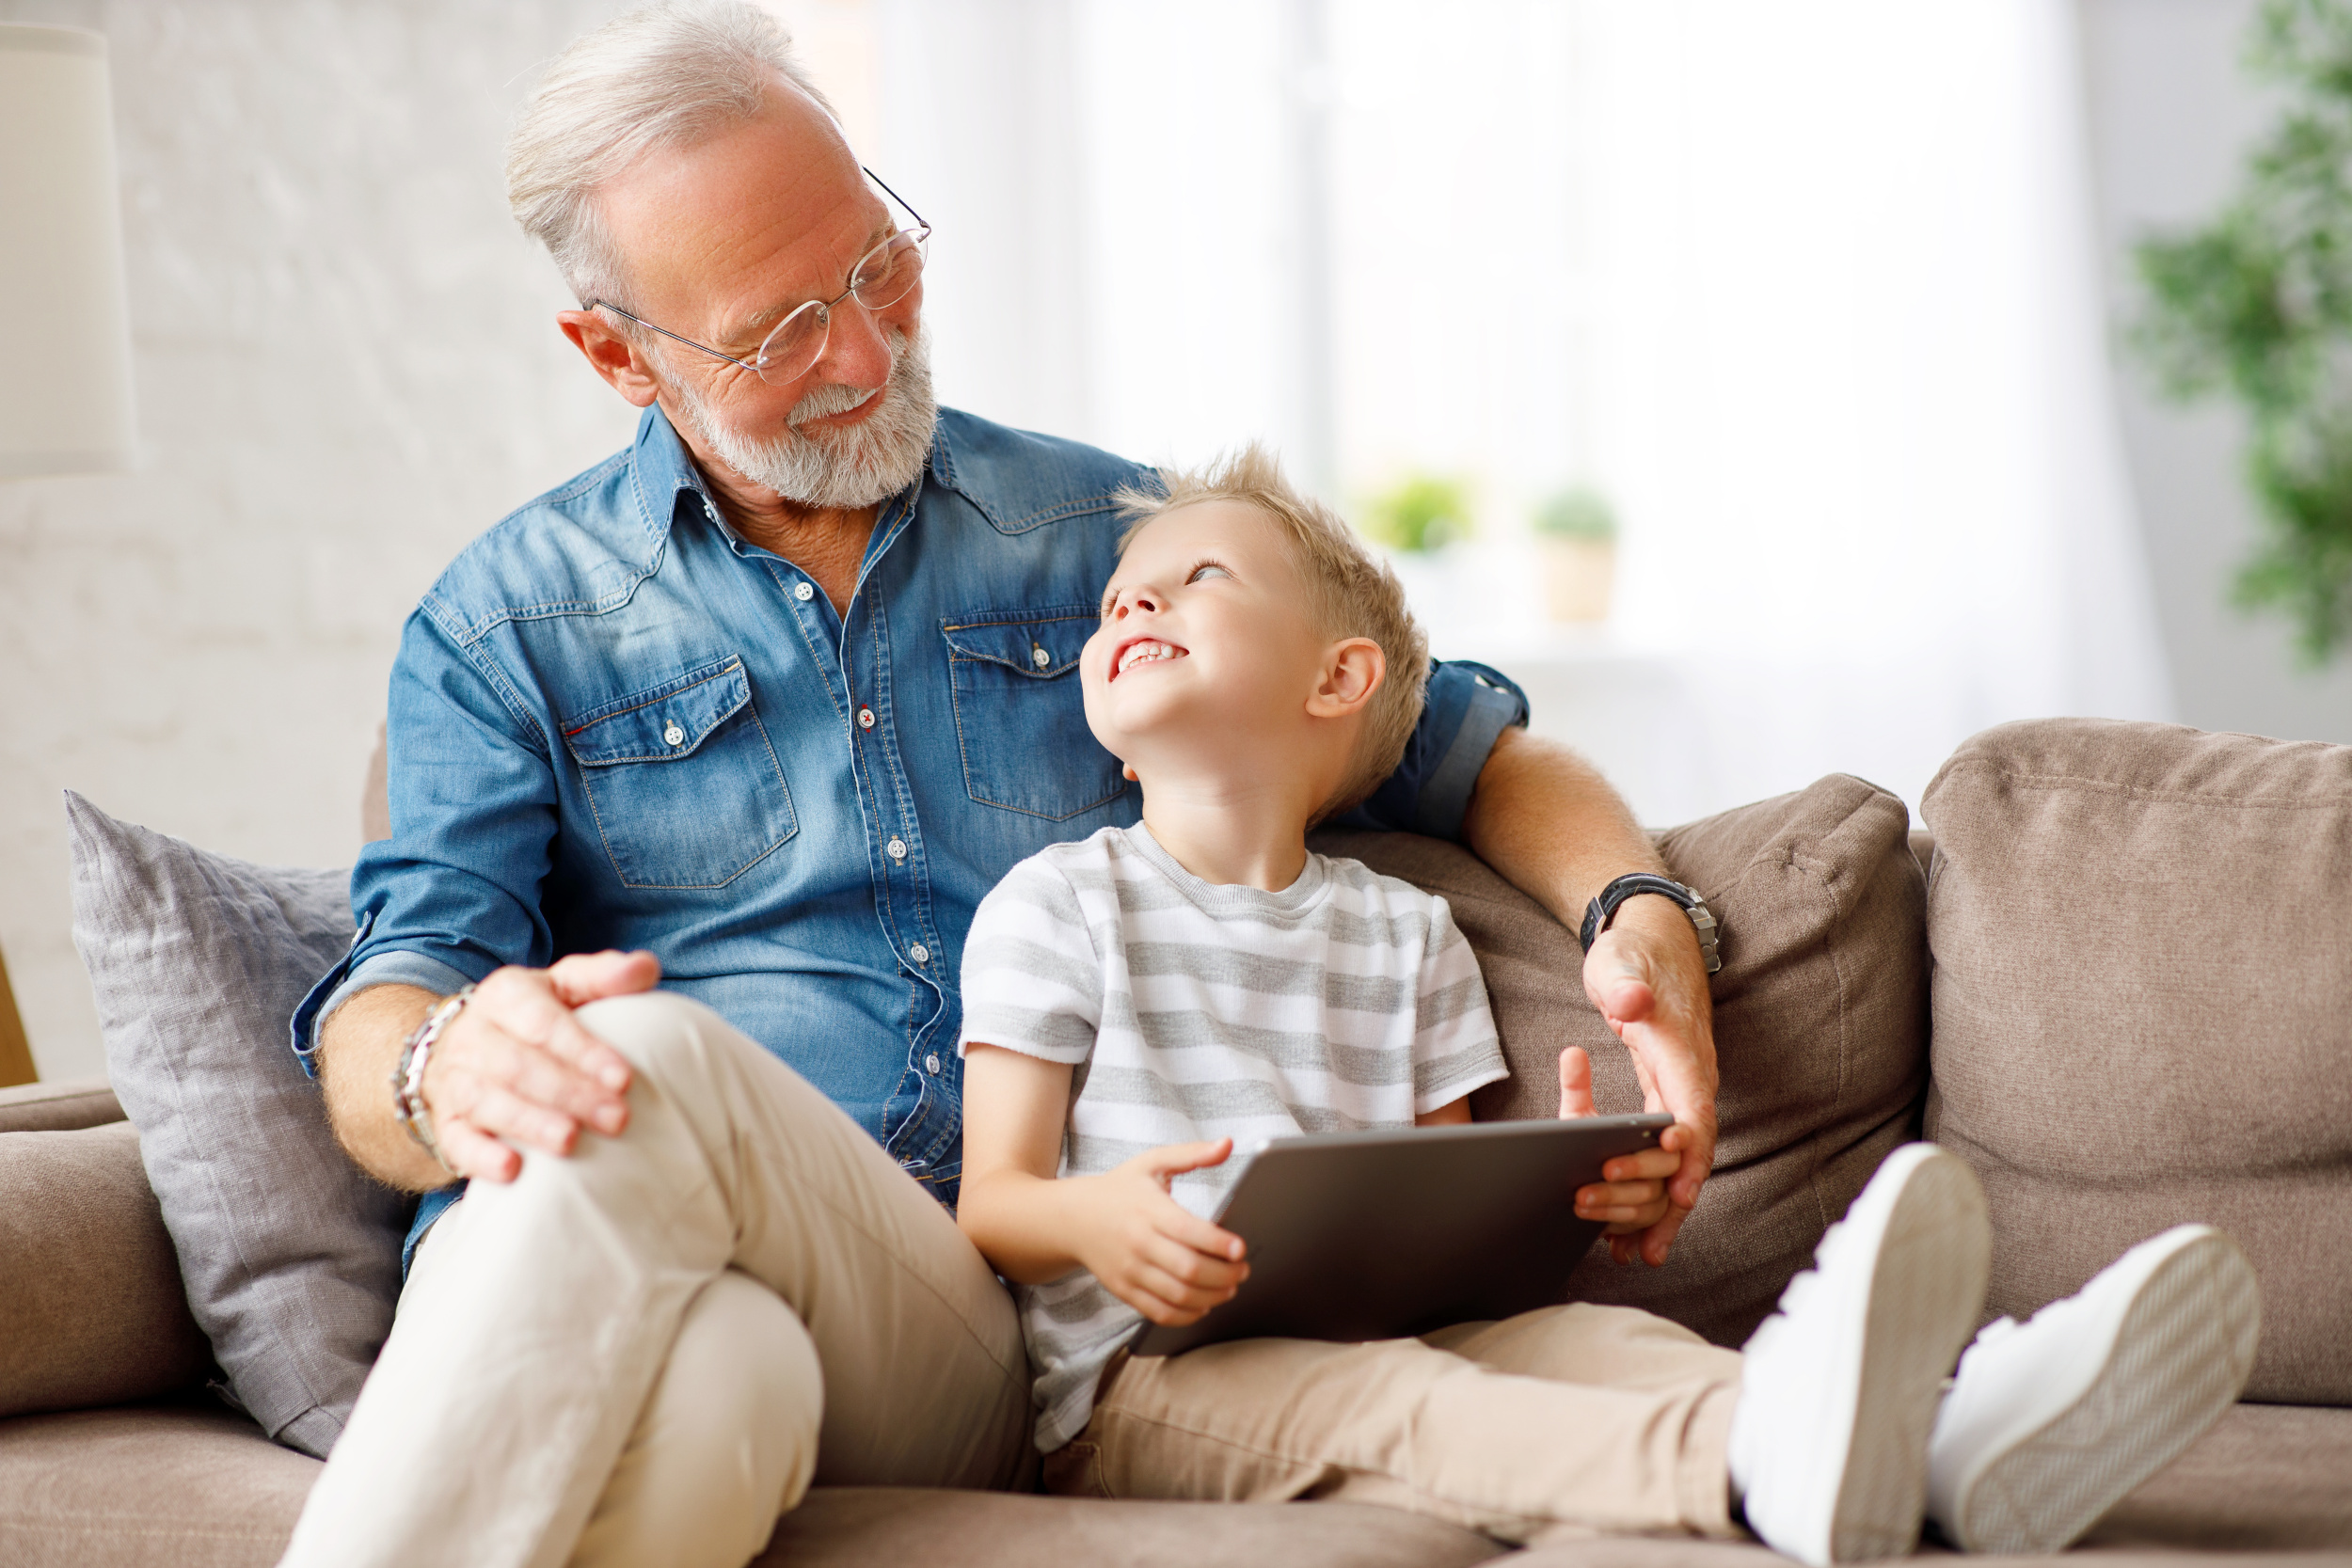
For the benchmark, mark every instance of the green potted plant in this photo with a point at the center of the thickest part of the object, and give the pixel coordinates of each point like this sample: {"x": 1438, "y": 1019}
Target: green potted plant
{"x": 2257, "y": 305}
{"x": 1576, "y": 531}
{"x": 1419, "y": 514}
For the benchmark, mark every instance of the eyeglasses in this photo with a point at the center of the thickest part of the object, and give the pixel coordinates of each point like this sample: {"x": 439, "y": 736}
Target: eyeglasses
{"x": 883, "y": 276}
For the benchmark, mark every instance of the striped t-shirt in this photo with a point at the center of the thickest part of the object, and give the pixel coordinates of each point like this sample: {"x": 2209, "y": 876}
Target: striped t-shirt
{"x": 1194, "y": 1011}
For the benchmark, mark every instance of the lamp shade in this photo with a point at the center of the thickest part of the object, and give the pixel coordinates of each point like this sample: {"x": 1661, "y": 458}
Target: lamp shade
{"x": 65, "y": 357}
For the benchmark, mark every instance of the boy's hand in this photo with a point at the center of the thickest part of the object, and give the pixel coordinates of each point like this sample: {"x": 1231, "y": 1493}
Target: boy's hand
{"x": 1632, "y": 1195}
{"x": 1149, "y": 1250}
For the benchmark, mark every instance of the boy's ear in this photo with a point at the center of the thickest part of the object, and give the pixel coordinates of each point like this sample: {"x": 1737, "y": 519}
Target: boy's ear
{"x": 1352, "y": 671}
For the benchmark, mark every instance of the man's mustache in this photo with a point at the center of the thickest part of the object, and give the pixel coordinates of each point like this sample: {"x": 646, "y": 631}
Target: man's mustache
{"x": 831, "y": 399}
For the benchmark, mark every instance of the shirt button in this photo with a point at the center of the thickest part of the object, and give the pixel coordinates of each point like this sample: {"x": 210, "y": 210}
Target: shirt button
{"x": 675, "y": 736}
{"x": 866, "y": 718}
{"x": 930, "y": 1063}
{"x": 1039, "y": 657}
{"x": 803, "y": 592}
{"x": 896, "y": 848}
{"x": 921, "y": 954}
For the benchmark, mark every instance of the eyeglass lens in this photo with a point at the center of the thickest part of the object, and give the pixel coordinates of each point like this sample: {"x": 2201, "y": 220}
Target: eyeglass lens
{"x": 884, "y": 276}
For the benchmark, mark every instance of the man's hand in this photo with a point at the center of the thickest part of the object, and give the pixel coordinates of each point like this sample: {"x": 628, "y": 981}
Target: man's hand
{"x": 1544, "y": 818}
{"x": 513, "y": 1065}
{"x": 1149, "y": 1250}
{"x": 1646, "y": 976}
{"x": 1631, "y": 1194}
{"x": 516, "y": 1064}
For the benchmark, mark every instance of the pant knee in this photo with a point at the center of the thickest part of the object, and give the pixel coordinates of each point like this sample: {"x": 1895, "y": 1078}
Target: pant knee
{"x": 745, "y": 1372}
{"x": 653, "y": 1028}
{"x": 727, "y": 1442}
{"x": 675, "y": 1044}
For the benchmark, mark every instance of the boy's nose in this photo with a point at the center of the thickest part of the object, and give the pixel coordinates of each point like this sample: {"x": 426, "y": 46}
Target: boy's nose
{"x": 1134, "y": 599}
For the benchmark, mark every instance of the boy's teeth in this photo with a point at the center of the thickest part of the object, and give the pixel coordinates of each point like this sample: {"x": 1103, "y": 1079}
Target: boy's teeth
{"x": 1143, "y": 653}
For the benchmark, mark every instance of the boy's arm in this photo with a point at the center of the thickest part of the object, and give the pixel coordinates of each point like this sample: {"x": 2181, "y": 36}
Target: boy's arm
{"x": 1146, "y": 1248}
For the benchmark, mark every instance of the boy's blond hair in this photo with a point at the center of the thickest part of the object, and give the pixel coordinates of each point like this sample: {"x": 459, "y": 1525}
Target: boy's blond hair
{"x": 1350, "y": 592}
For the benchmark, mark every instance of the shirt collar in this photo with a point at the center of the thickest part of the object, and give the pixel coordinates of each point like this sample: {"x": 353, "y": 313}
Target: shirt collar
{"x": 666, "y": 476}
{"x": 665, "y": 473}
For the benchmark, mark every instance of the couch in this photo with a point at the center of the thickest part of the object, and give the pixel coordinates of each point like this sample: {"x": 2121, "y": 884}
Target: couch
{"x": 2117, "y": 979}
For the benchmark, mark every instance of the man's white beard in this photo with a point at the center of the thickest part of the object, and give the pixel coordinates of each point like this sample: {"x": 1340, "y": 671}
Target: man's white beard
{"x": 840, "y": 469}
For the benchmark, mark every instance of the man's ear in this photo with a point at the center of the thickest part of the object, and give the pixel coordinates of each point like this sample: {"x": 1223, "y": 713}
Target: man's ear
{"x": 615, "y": 357}
{"x": 1352, "y": 671}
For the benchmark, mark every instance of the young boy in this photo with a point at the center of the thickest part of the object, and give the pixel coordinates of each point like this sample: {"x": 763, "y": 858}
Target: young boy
{"x": 1139, "y": 1004}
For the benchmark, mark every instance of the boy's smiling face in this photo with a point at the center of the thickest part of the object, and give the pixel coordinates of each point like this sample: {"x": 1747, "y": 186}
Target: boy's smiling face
{"x": 1209, "y": 658}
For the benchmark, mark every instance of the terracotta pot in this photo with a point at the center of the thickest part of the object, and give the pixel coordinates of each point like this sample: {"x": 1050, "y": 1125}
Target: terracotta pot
{"x": 1576, "y": 577}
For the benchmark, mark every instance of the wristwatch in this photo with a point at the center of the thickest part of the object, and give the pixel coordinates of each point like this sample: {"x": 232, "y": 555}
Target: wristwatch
{"x": 408, "y": 1077}
{"x": 1603, "y": 910}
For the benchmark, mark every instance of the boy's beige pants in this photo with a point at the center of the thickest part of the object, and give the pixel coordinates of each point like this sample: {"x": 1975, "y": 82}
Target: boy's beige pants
{"x": 646, "y": 1352}
{"x": 1571, "y": 1420}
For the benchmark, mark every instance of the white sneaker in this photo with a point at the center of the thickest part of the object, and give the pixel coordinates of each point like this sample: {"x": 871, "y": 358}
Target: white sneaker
{"x": 2052, "y": 1422}
{"x": 1838, "y": 1391}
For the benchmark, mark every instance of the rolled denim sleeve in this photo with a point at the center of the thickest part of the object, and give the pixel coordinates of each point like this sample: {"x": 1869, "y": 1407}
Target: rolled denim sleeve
{"x": 454, "y": 894}
{"x": 1468, "y": 708}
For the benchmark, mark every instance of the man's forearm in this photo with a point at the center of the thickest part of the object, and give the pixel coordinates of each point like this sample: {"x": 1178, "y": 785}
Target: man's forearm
{"x": 1547, "y": 820}
{"x": 357, "y": 1050}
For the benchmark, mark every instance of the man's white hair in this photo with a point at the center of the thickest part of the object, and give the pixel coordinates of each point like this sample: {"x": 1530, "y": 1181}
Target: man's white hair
{"x": 666, "y": 76}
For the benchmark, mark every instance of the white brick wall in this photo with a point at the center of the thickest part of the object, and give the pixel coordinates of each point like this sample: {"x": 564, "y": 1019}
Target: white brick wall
{"x": 346, "y": 367}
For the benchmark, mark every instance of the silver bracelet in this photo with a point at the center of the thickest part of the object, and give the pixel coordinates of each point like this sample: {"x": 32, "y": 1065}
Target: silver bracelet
{"x": 408, "y": 1076}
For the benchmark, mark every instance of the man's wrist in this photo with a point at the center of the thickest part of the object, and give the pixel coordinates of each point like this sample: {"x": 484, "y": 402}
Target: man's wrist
{"x": 416, "y": 1054}
{"x": 1654, "y": 920}
{"x": 1636, "y": 897}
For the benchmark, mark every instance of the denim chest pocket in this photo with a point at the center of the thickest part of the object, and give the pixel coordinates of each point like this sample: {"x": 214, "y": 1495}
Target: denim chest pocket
{"x": 1021, "y": 719}
{"x": 686, "y": 789}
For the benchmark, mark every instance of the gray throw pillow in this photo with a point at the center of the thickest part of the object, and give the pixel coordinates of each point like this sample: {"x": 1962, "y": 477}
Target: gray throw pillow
{"x": 290, "y": 1254}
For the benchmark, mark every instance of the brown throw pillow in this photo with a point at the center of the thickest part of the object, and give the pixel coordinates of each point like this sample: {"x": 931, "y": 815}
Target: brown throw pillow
{"x": 1820, "y": 1027}
{"x": 2143, "y": 1011}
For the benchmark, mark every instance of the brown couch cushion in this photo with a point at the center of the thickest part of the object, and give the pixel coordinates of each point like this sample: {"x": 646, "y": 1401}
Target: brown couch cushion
{"x": 192, "y": 1486}
{"x": 862, "y": 1527}
{"x": 58, "y": 1107}
{"x": 90, "y": 1305}
{"x": 1821, "y": 1023}
{"x": 2143, "y": 1011}
{"x": 202, "y": 1488}
{"x": 2266, "y": 1480}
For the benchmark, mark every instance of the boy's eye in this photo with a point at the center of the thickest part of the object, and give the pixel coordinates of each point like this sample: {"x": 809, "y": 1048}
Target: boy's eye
{"x": 1207, "y": 569}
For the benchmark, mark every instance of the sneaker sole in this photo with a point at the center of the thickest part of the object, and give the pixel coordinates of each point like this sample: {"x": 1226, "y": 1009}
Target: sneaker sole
{"x": 1922, "y": 1312}
{"x": 2179, "y": 1358}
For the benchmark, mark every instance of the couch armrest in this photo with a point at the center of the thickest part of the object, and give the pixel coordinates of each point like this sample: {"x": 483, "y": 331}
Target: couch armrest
{"x": 58, "y": 1107}
{"x": 91, "y": 1307}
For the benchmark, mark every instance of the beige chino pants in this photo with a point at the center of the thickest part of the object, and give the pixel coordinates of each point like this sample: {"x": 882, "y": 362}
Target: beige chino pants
{"x": 1573, "y": 1420}
{"x": 646, "y": 1352}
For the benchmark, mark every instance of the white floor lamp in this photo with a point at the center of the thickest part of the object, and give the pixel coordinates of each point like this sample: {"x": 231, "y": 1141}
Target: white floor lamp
{"x": 64, "y": 376}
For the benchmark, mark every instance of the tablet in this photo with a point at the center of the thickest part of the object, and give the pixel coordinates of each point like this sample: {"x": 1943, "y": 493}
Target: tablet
{"x": 1378, "y": 1235}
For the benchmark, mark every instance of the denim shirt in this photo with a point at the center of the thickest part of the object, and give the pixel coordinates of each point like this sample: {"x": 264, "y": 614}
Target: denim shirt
{"x": 614, "y": 722}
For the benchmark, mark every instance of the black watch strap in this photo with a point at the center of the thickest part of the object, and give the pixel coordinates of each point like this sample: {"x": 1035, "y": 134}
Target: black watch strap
{"x": 1603, "y": 910}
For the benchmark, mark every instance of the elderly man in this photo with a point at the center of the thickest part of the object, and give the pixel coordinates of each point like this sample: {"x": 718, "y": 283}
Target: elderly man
{"x": 758, "y": 709}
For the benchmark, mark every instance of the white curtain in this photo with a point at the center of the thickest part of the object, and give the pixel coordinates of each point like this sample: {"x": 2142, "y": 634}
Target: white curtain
{"x": 1808, "y": 290}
